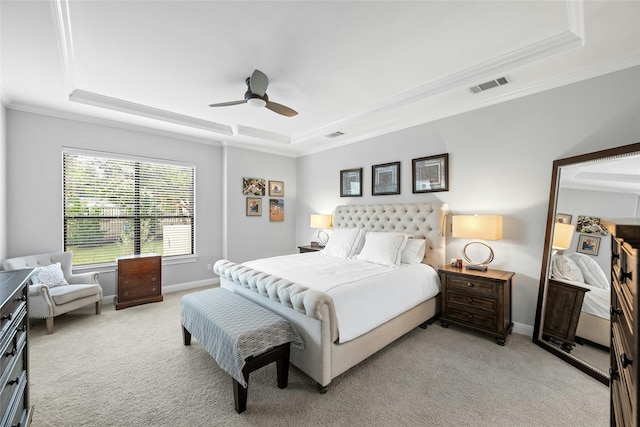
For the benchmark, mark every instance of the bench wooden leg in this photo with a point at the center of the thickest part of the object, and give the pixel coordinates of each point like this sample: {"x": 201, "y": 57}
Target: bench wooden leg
{"x": 240, "y": 394}
{"x": 186, "y": 336}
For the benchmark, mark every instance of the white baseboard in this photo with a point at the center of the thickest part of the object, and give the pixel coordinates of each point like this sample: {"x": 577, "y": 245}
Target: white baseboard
{"x": 109, "y": 299}
{"x": 522, "y": 329}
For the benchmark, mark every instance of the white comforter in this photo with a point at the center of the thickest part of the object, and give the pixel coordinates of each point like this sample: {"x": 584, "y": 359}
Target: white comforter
{"x": 365, "y": 294}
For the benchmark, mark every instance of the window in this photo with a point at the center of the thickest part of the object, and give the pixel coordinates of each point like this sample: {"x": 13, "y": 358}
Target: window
{"x": 115, "y": 206}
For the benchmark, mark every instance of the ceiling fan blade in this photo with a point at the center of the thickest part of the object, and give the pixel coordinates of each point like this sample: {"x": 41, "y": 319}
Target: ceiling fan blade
{"x": 226, "y": 104}
{"x": 281, "y": 109}
{"x": 258, "y": 83}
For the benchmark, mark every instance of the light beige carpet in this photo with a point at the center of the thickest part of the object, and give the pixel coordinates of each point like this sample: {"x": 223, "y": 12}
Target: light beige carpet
{"x": 130, "y": 368}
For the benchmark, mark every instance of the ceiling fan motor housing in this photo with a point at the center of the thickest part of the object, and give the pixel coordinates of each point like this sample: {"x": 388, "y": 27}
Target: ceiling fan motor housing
{"x": 255, "y": 100}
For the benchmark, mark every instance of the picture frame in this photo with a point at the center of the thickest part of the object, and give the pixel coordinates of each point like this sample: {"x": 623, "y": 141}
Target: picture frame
{"x": 588, "y": 244}
{"x": 430, "y": 174}
{"x": 254, "y": 206}
{"x": 276, "y": 188}
{"x": 351, "y": 182}
{"x": 385, "y": 179}
{"x": 590, "y": 225}
{"x": 253, "y": 186}
{"x": 564, "y": 218}
{"x": 276, "y": 210}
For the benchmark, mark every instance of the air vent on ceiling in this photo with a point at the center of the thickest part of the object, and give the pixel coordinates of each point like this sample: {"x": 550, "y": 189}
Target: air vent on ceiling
{"x": 335, "y": 134}
{"x": 490, "y": 84}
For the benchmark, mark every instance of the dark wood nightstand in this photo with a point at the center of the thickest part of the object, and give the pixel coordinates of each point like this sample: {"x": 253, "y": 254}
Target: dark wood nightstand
{"x": 309, "y": 248}
{"x": 478, "y": 300}
{"x": 562, "y": 312}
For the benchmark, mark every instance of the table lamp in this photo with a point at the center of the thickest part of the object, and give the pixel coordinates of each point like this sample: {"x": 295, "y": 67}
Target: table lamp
{"x": 321, "y": 222}
{"x": 562, "y": 236}
{"x": 479, "y": 228}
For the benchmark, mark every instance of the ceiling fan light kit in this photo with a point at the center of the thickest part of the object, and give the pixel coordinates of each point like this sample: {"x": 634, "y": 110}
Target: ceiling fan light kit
{"x": 256, "y": 96}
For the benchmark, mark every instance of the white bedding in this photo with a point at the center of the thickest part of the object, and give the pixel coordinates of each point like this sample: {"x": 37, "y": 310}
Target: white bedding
{"x": 365, "y": 295}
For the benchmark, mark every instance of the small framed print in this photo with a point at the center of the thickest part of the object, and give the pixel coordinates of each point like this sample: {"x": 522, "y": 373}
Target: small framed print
{"x": 590, "y": 224}
{"x": 253, "y": 187}
{"x": 276, "y": 210}
{"x": 276, "y": 188}
{"x": 430, "y": 174}
{"x": 351, "y": 183}
{"x": 254, "y": 206}
{"x": 563, "y": 218}
{"x": 385, "y": 179}
{"x": 588, "y": 244}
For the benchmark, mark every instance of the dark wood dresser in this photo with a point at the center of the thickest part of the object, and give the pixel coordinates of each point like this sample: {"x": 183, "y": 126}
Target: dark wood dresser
{"x": 562, "y": 312}
{"x": 14, "y": 362}
{"x": 478, "y": 300}
{"x": 625, "y": 266}
{"x": 139, "y": 280}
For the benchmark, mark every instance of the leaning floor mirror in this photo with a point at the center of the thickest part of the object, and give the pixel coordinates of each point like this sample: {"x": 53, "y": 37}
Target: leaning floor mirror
{"x": 572, "y": 317}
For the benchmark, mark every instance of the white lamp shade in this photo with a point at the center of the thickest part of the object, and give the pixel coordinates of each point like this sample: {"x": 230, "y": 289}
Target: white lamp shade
{"x": 562, "y": 236}
{"x": 481, "y": 227}
{"x": 320, "y": 221}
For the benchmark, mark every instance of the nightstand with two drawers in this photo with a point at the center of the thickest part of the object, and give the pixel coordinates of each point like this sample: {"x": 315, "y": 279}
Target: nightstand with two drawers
{"x": 478, "y": 300}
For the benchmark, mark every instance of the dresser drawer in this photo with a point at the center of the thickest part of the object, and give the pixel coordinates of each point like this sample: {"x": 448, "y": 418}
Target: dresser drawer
{"x": 628, "y": 273}
{"x": 138, "y": 279}
{"x": 13, "y": 379}
{"x": 472, "y": 285}
{"x": 466, "y": 299}
{"x": 135, "y": 292}
{"x": 472, "y": 318}
{"x": 11, "y": 310}
{"x": 139, "y": 265}
{"x": 624, "y": 356}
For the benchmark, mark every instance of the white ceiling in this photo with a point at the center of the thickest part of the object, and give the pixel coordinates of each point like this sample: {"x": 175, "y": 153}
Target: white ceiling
{"x": 364, "y": 68}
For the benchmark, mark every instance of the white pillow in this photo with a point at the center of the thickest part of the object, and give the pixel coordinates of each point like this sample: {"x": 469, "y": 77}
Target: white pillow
{"x": 591, "y": 270}
{"x": 343, "y": 242}
{"x": 51, "y": 275}
{"x": 413, "y": 252}
{"x": 383, "y": 248}
{"x": 565, "y": 268}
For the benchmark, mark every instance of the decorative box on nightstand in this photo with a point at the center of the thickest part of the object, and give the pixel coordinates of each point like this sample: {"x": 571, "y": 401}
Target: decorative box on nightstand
{"x": 478, "y": 300}
{"x": 304, "y": 249}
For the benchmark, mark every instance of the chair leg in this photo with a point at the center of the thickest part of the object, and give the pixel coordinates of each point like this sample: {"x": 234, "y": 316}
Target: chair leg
{"x": 98, "y": 307}
{"x": 49, "y": 323}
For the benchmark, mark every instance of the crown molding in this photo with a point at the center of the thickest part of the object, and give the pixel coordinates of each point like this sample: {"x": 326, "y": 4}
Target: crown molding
{"x": 262, "y": 134}
{"x": 62, "y": 24}
{"x": 97, "y": 100}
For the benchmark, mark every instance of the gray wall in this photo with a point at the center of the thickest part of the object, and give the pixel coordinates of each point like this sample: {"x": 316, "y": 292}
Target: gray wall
{"x": 500, "y": 162}
{"x": 34, "y": 190}
{"x": 3, "y": 181}
{"x": 251, "y": 237}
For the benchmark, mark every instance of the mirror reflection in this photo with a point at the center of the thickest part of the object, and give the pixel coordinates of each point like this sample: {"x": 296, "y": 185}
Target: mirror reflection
{"x": 573, "y": 313}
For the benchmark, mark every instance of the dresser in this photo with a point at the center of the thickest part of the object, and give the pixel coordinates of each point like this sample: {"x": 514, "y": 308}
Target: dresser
{"x": 562, "y": 312}
{"x": 625, "y": 266}
{"x": 14, "y": 362}
{"x": 139, "y": 280}
{"x": 478, "y": 300}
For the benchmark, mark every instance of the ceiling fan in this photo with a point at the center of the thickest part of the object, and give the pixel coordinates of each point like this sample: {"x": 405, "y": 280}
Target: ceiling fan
{"x": 256, "y": 95}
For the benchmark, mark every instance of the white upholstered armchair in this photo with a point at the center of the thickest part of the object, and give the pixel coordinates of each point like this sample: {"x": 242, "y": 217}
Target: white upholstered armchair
{"x": 50, "y": 294}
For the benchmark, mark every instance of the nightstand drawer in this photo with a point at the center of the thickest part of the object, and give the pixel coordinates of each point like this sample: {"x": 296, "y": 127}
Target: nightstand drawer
{"x": 468, "y": 300}
{"x": 473, "y": 318}
{"x": 472, "y": 285}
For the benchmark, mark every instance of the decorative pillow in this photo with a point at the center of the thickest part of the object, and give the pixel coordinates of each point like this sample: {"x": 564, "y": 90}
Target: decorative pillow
{"x": 383, "y": 248}
{"x": 591, "y": 270}
{"x": 51, "y": 275}
{"x": 413, "y": 251}
{"x": 565, "y": 268}
{"x": 343, "y": 242}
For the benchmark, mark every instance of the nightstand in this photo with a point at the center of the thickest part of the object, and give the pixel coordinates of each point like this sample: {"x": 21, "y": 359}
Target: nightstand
{"x": 304, "y": 249}
{"x": 478, "y": 300}
{"x": 562, "y": 312}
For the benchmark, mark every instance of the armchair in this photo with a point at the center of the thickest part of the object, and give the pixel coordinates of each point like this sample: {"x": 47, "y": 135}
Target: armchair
{"x": 46, "y": 302}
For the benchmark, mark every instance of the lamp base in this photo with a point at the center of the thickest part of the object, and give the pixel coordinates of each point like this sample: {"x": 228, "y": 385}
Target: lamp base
{"x": 477, "y": 267}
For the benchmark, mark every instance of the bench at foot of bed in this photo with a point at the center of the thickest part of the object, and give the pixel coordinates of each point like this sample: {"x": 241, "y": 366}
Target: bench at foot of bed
{"x": 241, "y": 336}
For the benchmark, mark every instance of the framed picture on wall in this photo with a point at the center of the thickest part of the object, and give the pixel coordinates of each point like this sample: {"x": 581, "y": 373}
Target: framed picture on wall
{"x": 351, "y": 183}
{"x": 254, "y": 206}
{"x": 276, "y": 210}
{"x": 253, "y": 186}
{"x": 588, "y": 244}
{"x": 563, "y": 218}
{"x": 385, "y": 179}
{"x": 276, "y": 188}
{"x": 430, "y": 174}
{"x": 590, "y": 224}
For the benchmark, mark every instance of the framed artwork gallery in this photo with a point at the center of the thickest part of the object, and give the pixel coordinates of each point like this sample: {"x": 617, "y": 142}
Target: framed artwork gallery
{"x": 276, "y": 188}
{"x": 254, "y": 206}
{"x": 430, "y": 174}
{"x": 385, "y": 179}
{"x": 351, "y": 183}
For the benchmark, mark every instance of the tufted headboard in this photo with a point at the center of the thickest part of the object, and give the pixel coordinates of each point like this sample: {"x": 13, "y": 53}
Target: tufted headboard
{"x": 424, "y": 221}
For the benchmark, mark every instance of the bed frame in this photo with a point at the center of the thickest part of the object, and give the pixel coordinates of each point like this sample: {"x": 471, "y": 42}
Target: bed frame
{"x": 313, "y": 314}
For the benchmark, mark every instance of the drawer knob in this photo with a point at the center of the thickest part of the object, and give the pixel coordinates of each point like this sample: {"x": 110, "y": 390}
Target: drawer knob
{"x": 21, "y": 298}
{"x": 470, "y": 300}
{"x": 614, "y": 374}
{"x": 126, "y": 282}
{"x": 614, "y": 313}
{"x": 625, "y": 361}
{"x": 470, "y": 316}
{"x": 154, "y": 278}
{"x": 126, "y": 294}
{"x": 12, "y": 382}
{"x": 7, "y": 316}
{"x": 625, "y": 275}
{"x": 469, "y": 284}
{"x": 615, "y": 256}
{"x": 11, "y": 353}
{"x": 153, "y": 289}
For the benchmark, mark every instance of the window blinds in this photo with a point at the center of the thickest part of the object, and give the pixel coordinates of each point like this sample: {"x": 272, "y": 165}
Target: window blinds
{"x": 122, "y": 206}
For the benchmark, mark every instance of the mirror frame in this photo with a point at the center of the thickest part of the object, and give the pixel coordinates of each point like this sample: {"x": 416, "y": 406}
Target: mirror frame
{"x": 557, "y": 164}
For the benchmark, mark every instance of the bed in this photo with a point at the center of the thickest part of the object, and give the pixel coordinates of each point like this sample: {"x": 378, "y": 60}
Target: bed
{"x": 340, "y": 301}
{"x": 581, "y": 270}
